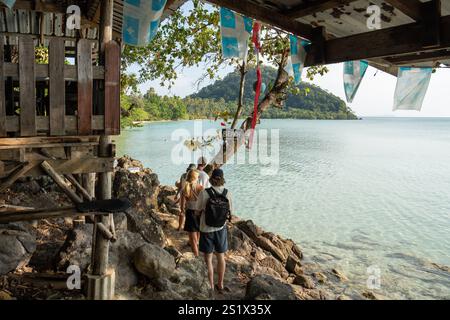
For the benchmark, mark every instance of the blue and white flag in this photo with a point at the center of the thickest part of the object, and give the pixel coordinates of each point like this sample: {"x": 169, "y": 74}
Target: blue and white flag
{"x": 8, "y": 3}
{"x": 235, "y": 30}
{"x": 141, "y": 20}
{"x": 412, "y": 85}
{"x": 298, "y": 57}
{"x": 354, "y": 72}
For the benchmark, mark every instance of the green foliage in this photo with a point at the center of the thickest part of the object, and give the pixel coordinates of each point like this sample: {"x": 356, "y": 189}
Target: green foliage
{"x": 309, "y": 102}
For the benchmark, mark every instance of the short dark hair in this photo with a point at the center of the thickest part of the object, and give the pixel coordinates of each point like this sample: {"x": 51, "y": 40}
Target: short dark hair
{"x": 208, "y": 169}
{"x": 217, "y": 179}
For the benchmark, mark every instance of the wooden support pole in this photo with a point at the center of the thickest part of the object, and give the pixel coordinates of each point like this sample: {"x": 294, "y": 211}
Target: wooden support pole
{"x": 78, "y": 186}
{"x": 101, "y": 245}
{"x": 60, "y": 182}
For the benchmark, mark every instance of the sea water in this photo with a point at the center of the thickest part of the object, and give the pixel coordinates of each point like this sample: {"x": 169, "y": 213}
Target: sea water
{"x": 370, "y": 197}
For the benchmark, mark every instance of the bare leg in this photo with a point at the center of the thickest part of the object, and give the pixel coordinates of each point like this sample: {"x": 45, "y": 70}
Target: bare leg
{"x": 209, "y": 265}
{"x": 193, "y": 242}
{"x": 221, "y": 265}
{"x": 181, "y": 220}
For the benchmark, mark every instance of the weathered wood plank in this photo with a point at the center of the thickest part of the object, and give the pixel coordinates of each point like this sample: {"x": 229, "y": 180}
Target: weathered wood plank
{"x": 85, "y": 87}
{"x": 27, "y": 81}
{"x": 2, "y": 90}
{"x": 112, "y": 88}
{"x": 57, "y": 90}
{"x": 43, "y": 124}
{"x": 61, "y": 182}
{"x": 8, "y": 143}
{"x": 16, "y": 175}
{"x": 41, "y": 70}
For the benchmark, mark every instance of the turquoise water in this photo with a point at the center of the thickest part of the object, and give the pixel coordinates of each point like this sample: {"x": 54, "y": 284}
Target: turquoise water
{"x": 353, "y": 194}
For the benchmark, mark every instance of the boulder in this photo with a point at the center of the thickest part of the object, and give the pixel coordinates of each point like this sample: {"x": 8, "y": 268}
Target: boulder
{"x": 121, "y": 255}
{"x": 274, "y": 264}
{"x": 304, "y": 281}
{"x": 77, "y": 248}
{"x": 321, "y": 278}
{"x": 141, "y": 187}
{"x": 190, "y": 279}
{"x": 147, "y": 225}
{"x": 341, "y": 277}
{"x": 293, "y": 265}
{"x": 238, "y": 241}
{"x": 17, "y": 245}
{"x": 269, "y": 288}
{"x": 154, "y": 262}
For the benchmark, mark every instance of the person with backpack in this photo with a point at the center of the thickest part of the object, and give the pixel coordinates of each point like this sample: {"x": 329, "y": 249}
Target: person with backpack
{"x": 215, "y": 206}
{"x": 189, "y": 198}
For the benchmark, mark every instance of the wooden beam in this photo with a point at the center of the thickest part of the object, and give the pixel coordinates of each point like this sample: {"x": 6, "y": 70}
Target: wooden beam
{"x": 431, "y": 13}
{"x": 412, "y": 8}
{"x": 40, "y": 142}
{"x": 411, "y": 59}
{"x": 57, "y": 87}
{"x": 276, "y": 19}
{"x": 59, "y": 180}
{"x": 27, "y": 79}
{"x": 78, "y": 186}
{"x": 309, "y": 8}
{"x": 389, "y": 42}
{"x": 31, "y": 215}
{"x": 16, "y": 175}
{"x": 2, "y": 90}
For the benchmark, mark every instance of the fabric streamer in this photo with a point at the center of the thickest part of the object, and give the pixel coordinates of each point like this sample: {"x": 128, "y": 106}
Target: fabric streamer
{"x": 297, "y": 58}
{"x": 235, "y": 31}
{"x": 257, "y": 43}
{"x": 412, "y": 85}
{"x": 141, "y": 20}
{"x": 8, "y": 3}
{"x": 354, "y": 72}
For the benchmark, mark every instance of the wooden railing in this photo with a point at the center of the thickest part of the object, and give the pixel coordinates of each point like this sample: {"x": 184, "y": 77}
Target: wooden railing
{"x": 58, "y": 99}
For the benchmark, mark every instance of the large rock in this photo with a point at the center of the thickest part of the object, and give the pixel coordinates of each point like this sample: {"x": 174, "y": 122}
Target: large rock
{"x": 77, "y": 248}
{"x": 265, "y": 287}
{"x": 147, "y": 225}
{"x": 17, "y": 245}
{"x": 190, "y": 279}
{"x": 141, "y": 187}
{"x": 154, "y": 262}
{"x": 121, "y": 254}
{"x": 274, "y": 264}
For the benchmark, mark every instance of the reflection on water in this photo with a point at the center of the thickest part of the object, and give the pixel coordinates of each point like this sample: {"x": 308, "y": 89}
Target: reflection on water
{"x": 353, "y": 194}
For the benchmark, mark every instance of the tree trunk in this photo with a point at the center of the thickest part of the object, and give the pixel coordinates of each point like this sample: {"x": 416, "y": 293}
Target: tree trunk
{"x": 279, "y": 88}
{"x": 243, "y": 73}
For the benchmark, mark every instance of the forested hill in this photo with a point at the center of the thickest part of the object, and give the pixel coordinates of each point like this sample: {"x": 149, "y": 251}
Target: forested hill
{"x": 312, "y": 103}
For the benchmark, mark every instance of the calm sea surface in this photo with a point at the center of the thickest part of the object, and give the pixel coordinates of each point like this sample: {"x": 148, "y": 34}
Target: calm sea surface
{"x": 360, "y": 196}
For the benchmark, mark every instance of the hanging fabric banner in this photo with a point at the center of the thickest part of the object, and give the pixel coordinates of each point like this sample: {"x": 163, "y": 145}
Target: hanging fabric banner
{"x": 354, "y": 72}
{"x": 8, "y": 3}
{"x": 298, "y": 57}
{"x": 257, "y": 43}
{"x": 412, "y": 85}
{"x": 141, "y": 20}
{"x": 236, "y": 31}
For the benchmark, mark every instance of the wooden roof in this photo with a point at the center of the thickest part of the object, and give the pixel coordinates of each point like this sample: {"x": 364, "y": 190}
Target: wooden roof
{"x": 413, "y": 32}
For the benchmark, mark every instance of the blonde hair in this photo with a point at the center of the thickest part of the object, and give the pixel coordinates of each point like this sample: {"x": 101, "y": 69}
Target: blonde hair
{"x": 191, "y": 180}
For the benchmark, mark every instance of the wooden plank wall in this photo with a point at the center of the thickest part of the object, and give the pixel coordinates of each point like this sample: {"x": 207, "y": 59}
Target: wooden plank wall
{"x": 27, "y": 88}
{"x": 85, "y": 86}
{"x": 57, "y": 87}
{"x": 2, "y": 91}
{"x": 112, "y": 88}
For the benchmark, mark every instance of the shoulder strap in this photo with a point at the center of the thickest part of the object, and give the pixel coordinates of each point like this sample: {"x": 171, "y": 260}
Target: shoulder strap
{"x": 225, "y": 192}
{"x": 211, "y": 192}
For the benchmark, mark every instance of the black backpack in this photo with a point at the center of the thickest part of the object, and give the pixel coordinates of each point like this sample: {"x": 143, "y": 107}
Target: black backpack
{"x": 217, "y": 208}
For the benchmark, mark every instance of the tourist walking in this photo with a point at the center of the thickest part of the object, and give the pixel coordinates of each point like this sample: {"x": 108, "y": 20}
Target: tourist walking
{"x": 215, "y": 206}
{"x": 188, "y": 204}
{"x": 203, "y": 177}
{"x": 180, "y": 185}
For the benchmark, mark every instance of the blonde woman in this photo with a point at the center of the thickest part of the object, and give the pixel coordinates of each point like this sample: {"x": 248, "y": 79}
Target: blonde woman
{"x": 189, "y": 197}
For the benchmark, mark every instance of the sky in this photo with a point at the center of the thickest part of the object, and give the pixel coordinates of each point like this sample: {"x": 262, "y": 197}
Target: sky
{"x": 374, "y": 98}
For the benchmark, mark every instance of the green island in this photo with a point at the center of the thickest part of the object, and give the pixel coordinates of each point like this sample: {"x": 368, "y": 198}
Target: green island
{"x": 309, "y": 102}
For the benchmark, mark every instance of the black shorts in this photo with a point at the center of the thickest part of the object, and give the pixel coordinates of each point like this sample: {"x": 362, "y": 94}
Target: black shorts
{"x": 192, "y": 223}
{"x": 214, "y": 241}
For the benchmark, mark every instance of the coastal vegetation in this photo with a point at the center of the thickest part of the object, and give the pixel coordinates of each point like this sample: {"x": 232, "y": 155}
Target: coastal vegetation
{"x": 219, "y": 100}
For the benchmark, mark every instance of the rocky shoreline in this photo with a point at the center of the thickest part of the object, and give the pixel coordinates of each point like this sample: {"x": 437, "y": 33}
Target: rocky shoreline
{"x": 151, "y": 258}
